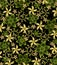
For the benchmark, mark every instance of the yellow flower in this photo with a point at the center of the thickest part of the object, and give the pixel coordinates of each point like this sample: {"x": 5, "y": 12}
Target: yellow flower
{"x": 1, "y": 27}
{"x": 54, "y": 49}
{"x": 55, "y": 12}
{"x": 22, "y": 0}
{"x": 33, "y": 41}
{"x": 39, "y": 26}
{"x": 32, "y": 10}
{"x": 44, "y": 2}
{"x": 25, "y": 64}
{"x": 9, "y": 62}
{"x": 7, "y": 12}
{"x": 0, "y": 54}
{"x": 36, "y": 61}
{"x": 54, "y": 34}
{"x": 23, "y": 28}
{"x": 19, "y": 64}
{"x": 16, "y": 49}
{"x": 9, "y": 37}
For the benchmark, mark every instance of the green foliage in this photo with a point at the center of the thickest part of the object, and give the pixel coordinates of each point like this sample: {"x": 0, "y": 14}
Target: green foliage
{"x": 36, "y": 33}
{"x": 28, "y": 32}
{"x": 42, "y": 48}
{"x": 21, "y": 41}
{"x": 4, "y": 45}
{"x": 54, "y": 61}
{"x": 23, "y": 58}
{"x": 11, "y": 21}
{"x": 4, "y": 3}
{"x": 32, "y": 19}
{"x": 50, "y": 26}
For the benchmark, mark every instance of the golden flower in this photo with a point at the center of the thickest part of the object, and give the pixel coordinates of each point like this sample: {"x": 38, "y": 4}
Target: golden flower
{"x": 54, "y": 49}
{"x": 9, "y": 37}
{"x": 1, "y": 27}
{"x": 16, "y": 49}
{"x": 25, "y": 64}
{"x": 33, "y": 41}
{"x": 32, "y": 10}
{"x": 36, "y": 61}
{"x": 7, "y": 12}
{"x": 44, "y": 2}
{"x": 55, "y": 12}
{"x": 22, "y": 0}
{"x": 0, "y": 54}
{"x": 39, "y": 1}
{"x": 39, "y": 26}
{"x": 19, "y": 64}
{"x": 54, "y": 34}
{"x": 9, "y": 62}
{"x": 23, "y": 28}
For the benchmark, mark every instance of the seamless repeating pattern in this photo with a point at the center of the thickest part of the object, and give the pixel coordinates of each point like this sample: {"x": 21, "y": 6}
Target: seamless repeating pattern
{"x": 28, "y": 32}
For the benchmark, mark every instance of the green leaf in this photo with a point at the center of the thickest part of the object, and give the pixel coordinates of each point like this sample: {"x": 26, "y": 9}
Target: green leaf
{"x": 32, "y": 19}
{"x": 21, "y": 41}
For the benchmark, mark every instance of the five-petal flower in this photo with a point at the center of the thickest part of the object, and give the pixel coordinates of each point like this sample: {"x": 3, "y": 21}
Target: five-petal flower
{"x": 16, "y": 49}
{"x": 7, "y": 12}
{"x": 23, "y": 28}
{"x": 54, "y": 49}
{"x": 32, "y": 10}
{"x": 9, "y": 38}
{"x": 54, "y": 34}
{"x": 36, "y": 61}
{"x": 9, "y": 62}
{"x": 33, "y": 41}
{"x": 1, "y": 27}
{"x": 39, "y": 26}
{"x": 55, "y": 12}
